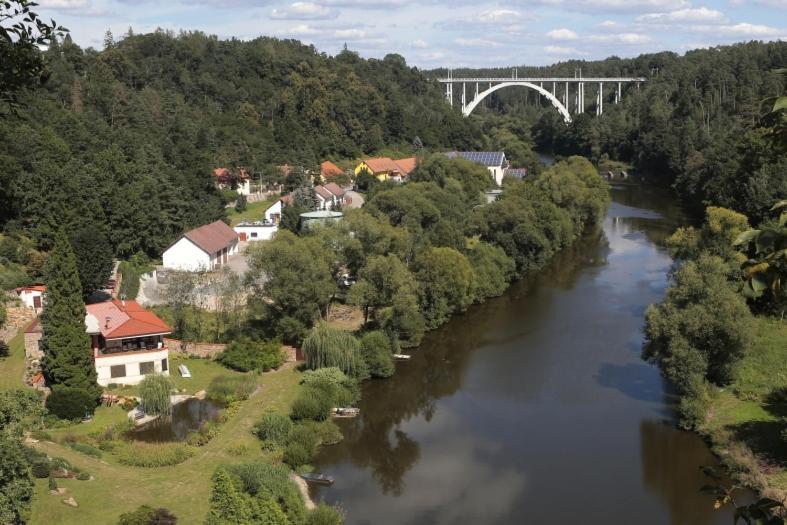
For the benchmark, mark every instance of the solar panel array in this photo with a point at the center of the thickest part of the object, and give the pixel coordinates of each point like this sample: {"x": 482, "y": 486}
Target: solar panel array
{"x": 485, "y": 158}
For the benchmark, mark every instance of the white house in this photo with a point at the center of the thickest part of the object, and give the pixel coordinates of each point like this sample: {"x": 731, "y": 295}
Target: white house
{"x": 204, "y": 248}
{"x": 255, "y": 231}
{"x": 32, "y": 296}
{"x": 273, "y": 213}
{"x": 127, "y": 342}
{"x": 494, "y": 161}
{"x": 226, "y": 179}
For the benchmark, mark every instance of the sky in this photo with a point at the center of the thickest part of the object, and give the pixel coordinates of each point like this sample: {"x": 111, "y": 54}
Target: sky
{"x": 444, "y": 33}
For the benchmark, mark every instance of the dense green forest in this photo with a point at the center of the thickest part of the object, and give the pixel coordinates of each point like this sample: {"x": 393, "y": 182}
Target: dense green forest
{"x": 697, "y": 123}
{"x": 124, "y": 140}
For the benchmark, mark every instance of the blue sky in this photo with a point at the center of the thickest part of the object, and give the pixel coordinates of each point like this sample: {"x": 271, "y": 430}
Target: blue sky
{"x": 453, "y": 33}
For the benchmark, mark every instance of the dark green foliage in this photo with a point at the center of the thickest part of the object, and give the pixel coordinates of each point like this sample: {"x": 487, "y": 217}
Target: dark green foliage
{"x": 326, "y": 346}
{"x": 324, "y": 514}
{"x": 273, "y": 429}
{"x": 52, "y": 482}
{"x": 493, "y": 269}
{"x": 146, "y": 515}
{"x": 70, "y": 403}
{"x": 247, "y": 355}
{"x": 260, "y": 476}
{"x": 379, "y": 281}
{"x": 228, "y": 389}
{"x": 16, "y": 485}
{"x": 446, "y": 284}
{"x": 301, "y": 446}
{"x": 41, "y": 468}
{"x": 240, "y": 204}
{"x": 93, "y": 257}
{"x": 342, "y": 390}
{"x": 155, "y": 391}
{"x": 405, "y": 320}
{"x": 83, "y": 476}
{"x": 68, "y": 358}
{"x": 377, "y": 353}
{"x": 312, "y": 403}
{"x": 232, "y": 504}
{"x": 5, "y": 351}
{"x": 703, "y": 326}
{"x": 87, "y": 449}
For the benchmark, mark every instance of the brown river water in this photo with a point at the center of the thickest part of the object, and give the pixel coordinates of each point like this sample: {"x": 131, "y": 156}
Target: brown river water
{"x": 535, "y": 407}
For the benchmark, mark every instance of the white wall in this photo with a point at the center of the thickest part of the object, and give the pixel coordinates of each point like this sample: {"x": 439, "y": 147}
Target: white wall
{"x": 27, "y": 297}
{"x": 184, "y": 255}
{"x": 497, "y": 174}
{"x": 264, "y": 233}
{"x": 273, "y": 210}
{"x": 244, "y": 187}
{"x": 132, "y": 361}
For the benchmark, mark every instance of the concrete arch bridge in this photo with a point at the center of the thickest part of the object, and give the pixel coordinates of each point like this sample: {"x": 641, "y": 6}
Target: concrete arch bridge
{"x": 559, "y": 95}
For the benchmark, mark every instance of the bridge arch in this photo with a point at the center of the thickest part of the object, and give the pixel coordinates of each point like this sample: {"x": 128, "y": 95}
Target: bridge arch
{"x": 552, "y": 98}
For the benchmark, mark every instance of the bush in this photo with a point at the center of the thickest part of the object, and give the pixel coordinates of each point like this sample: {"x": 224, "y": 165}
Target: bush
{"x": 155, "y": 392}
{"x": 83, "y": 476}
{"x": 246, "y": 355}
{"x": 346, "y": 391}
{"x": 325, "y": 432}
{"x": 326, "y": 346}
{"x": 86, "y": 449}
{"x": 4, "y": 350}
{"x": 70, "y": 403}
{"x": 40, "y": 435}
{"x": 226, "y": 389}
{"x": 41, "y": 468}
{"x": 311, "y": 403}
{"x": 273, "y": 429}
{"x": 296, "y": 455}
{"x": 52, "y": 483}
{"x": 129, "y": 280}
{"x": 138, "y": 454}
{"x": 325, "y": 515}
{"x": 377, "y": 353}
{"x": 146, "y": 515}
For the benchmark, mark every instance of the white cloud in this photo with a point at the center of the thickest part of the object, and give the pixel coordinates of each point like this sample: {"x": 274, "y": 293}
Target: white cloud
{"x": 367, "y": 4}
{"x": 623, "y": 38}
{"x": 627, "y": 5}
{"x": 419, "y": 43}
{"x": 64, "y": 4}
{"x": 563, "y": 51}
{"x": 303, "y": 11}
{"x": 499, "y": 16}
{"x": 476, "y": 42}
{"x": 562, "y": 34}
{"x": 700, "y": 14}
{"x": 742, "y": 30}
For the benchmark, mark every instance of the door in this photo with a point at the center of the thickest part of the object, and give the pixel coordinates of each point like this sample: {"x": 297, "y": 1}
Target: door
{"x": 242, "y": 236}
{"x": 37, "y": 301}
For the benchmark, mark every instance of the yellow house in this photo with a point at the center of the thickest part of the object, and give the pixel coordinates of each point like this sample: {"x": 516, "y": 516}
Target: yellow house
{"x": 385, "y": 168}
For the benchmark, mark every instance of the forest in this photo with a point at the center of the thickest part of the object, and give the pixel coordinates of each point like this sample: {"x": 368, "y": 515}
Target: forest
{"x": 699, "y": 123}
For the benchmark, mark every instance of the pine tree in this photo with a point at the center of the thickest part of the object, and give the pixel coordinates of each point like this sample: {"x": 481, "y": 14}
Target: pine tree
{"x": 67, "y": 356}
{"x": 228, "y": 505}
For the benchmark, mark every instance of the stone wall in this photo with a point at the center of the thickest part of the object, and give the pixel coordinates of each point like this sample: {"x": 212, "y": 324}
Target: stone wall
{"x": 204, "y": 350}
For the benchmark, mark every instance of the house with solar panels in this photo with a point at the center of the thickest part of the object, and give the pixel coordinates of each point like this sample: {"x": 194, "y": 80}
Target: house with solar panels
{"x": 494, "y": 161}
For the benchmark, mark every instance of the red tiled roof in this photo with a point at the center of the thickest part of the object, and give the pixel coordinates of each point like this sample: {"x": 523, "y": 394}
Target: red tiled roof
{"x": 223, "y": 174}
{"x": 328, "y": 169}
{"x": 33, "y": 288}
{"x": 407, "y": 165}
{"x": 381, "y": 165}
{"x": 324, "y": 193}
{"x": 335, "y": 189}
{"x": 212, "y": 237}
{"x": 126, "y": 319}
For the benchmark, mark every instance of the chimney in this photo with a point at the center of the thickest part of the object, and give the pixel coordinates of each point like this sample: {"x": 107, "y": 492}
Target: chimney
{"x": 106, "y": 321}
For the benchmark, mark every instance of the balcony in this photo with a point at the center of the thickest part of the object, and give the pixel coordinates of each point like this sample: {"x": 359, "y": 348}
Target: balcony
{"x": 132, "y": 346}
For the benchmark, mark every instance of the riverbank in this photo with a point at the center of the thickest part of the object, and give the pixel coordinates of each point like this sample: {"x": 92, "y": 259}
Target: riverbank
{"x": 746, "y": 421}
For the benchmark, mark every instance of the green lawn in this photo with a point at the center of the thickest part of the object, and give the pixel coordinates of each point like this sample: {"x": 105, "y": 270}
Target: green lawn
{"x": 12, "y": 368}
{"x": 103, "y": 418}
{"x": 184, "y": 489}
{"x": 764, "y": 368}
{"x": 253, "y": 211}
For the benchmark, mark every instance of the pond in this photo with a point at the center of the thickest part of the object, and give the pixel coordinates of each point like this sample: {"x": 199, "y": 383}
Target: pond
{"x": 186, "y": 417}
{"x": 535, "y": 407}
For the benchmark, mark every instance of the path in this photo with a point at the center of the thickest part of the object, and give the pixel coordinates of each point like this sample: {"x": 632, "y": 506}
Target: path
{"x": 356, "y": 199}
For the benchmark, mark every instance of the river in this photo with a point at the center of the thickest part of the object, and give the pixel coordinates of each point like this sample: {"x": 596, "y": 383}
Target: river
{"x": 535, "y": 407}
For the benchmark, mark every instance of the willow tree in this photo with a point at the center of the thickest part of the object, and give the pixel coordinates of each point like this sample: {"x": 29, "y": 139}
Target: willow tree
{"x": 155, "y": 391}
{"x": 326, "y": 346}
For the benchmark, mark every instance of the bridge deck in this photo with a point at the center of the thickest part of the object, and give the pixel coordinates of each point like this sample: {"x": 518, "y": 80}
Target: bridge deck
{"x": 545, "y": 79}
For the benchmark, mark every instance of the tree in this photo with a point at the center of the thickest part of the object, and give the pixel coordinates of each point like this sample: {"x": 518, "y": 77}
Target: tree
{"x": 145, "y": 515}
{"x": 377, "y": 353}
{"x": 155, "y": 390}
{"x": 93, "y": 256}
{"x": 240, "y": 203}
{"x": 19, "y": 410}
{"x": 493, "y": 269}
{"x": 22, "y": 33}
{"x": 228, "y": 504}
{"x": 16, "y": 484}
{"x": 292, "y": 284}
{"x": 405, "y": 320}
{"x": 446, "y": 284}
{"x": 326, "y": 347}
{"x": 68, "y": 358}
{"x": 364, "y": 180}
{"x": 380, "y": 279}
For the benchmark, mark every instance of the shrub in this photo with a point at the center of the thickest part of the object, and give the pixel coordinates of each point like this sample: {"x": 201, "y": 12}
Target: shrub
{"x": 146, "y": 515}
{"x": 155, "y": 393}
{"x": 86, "y": 449}
{"x": 325, "y": 432}
{"x": 40, "y": 435}
{"x": 226, "y": 389}
{"x": 347, "y": 390}
{"x": 52, "y": 483}
{"x": 139, "y": 454}
{"x": 5, "y": 351}
{"x": 258, "y": 476}
{"x": 41, "y": 468}
{"x": 129, "y": 280}
{"x": 296, "y": 455}
{"x": 273, "y": 428}
{"x": 324, "y": 514}
{"x": 377, "y": 354}
{"x": 311, "y": 403}
{"x": 246, "y": 355}
{"x": 70, "y": 403}
{"x": 83, "y": 476}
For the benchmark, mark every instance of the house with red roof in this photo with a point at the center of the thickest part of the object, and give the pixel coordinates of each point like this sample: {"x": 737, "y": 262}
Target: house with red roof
{"x": 202, "y": 249}
{"x": 328, "y": 170}
{"x": 238, "y": 180}
{"x": 127, "y": 341}
{"x": 385, "y": 168}
{"x": 32, "y": 296}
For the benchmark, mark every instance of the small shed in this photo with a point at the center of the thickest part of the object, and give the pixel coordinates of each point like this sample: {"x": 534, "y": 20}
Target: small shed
{"x": 205, "y": 248}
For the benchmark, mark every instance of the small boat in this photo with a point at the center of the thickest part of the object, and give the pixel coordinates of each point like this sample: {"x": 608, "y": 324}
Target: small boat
{"x": 346, "y": 412}
{"x": 184, "y": 371}
{"x": 320, "y": 479}
{"x": 401, "y": 357}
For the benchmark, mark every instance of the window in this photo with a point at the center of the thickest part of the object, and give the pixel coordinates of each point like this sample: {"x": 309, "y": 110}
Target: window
{"x": 146, "y": 368}
{"x": 253, "y": 235}
{"x": 117, "y": 371}
{"x": 164, "y": 365}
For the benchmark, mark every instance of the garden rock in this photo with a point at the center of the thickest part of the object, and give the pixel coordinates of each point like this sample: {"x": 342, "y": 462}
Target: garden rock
{"x": 71, "y": 502}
